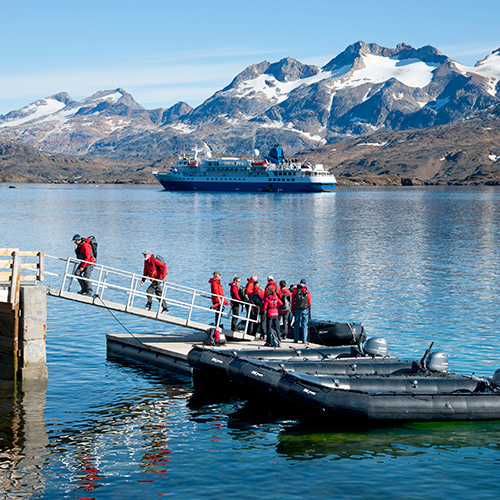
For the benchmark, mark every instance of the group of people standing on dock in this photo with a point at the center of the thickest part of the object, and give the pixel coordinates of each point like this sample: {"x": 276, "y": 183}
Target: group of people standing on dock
{"x": 276, "y": 307}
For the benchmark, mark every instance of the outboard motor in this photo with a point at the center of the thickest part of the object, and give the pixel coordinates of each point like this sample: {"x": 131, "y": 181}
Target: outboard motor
{"x": 437, "y": 362}
{"x": 376, "y": 346}
{"x": 495, "y": 380}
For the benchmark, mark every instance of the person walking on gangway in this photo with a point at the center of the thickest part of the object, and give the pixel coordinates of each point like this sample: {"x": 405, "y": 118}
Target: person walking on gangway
{"x": 155, "y": 269}
{"x": 83, "y": 252}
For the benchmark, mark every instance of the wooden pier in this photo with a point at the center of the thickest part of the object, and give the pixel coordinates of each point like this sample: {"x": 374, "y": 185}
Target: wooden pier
{"x": 23, "y": 316}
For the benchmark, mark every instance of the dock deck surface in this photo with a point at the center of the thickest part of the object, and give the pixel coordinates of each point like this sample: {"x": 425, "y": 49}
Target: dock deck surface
{"x": 170, "y": 350}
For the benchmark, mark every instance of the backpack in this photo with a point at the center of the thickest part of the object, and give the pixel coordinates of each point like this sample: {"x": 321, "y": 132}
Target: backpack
{"x": 214, "y": 337}
{"x": 243, "y": 295}
{"x": 301, "y": 299}
{"x": 93, "y": 244}
{"x": 287, "y": 303}
{"x": 273, "y": 340}
{"x": 160, "y": 258}
{"x": 256, "y": 299}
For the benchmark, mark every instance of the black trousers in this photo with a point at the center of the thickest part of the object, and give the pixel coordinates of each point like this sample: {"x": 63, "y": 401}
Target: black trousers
{"x": 85, "y": 272}
{"x": 272, "y": 323}
{"x": 154, "y": 288}
{"x": 218, "y": 314}
{"x": 236, "y": 312}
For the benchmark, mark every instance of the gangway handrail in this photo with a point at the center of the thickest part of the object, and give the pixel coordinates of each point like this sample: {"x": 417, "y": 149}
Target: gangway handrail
{"x": 132, "y": 291}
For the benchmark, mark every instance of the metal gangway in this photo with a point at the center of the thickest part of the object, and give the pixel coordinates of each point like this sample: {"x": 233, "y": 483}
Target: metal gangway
{"x": 121, "y": 291}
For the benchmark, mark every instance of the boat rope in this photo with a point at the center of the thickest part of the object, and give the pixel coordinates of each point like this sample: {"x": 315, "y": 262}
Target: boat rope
{"x": 118, "y": 321}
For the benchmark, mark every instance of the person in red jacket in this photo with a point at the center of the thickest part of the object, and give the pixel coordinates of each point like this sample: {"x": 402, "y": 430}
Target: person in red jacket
{"x": 272, "y": 285}
{"x": 257, "y": 299}
{"x": 83, "y": 252}
{"x": 301, "y": 306}
{"x": 218, "y": 301}
{"x": 234, "y": 289}
{"x": 156, "y": 270}
{"x": 250, "y": 284}
{"x": 272, "y": 303}
{"x": 285, "y": 309}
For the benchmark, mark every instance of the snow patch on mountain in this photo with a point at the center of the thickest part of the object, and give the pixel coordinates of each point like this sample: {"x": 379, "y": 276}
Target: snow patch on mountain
{"x": 378, "y": 69}
{"x": 274, "y": 90}
{"x": 35, "y": 111}
{"x": 489, "y": 68}
{"x": 289, "y": 126}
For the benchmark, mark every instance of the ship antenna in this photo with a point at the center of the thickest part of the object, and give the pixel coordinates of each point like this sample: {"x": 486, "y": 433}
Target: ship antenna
{"x": 196, "y": 150}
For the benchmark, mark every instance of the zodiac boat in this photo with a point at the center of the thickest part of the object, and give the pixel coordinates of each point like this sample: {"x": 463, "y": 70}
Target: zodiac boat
{"x": 213, "y": 362}
{"x": 431, "y": 393}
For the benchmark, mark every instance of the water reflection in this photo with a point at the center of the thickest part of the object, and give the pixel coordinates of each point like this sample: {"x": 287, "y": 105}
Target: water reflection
{"x": 23, "y": 444}
{"x": 306, "y": 441}
{"x": 305, "y": 436}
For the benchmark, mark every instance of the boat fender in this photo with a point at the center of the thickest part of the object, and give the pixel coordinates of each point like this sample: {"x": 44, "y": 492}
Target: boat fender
{"x": 437, "y": 362}
{"x": 376, "y": 346}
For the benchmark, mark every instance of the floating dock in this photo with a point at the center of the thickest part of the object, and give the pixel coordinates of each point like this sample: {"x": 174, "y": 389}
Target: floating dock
{"x": 170, "y": 350}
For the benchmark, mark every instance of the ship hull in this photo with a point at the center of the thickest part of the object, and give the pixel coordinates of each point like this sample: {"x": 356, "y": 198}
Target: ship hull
{"x": 245, "y": 186}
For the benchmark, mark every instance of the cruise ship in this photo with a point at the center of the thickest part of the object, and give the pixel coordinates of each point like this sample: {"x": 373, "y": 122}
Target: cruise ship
{"x": 274, "y": 173}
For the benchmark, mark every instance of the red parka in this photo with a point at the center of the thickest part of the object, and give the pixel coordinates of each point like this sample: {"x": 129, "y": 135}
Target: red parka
{"x": 249, "y": 287}
{"x": 84, "y": 252}
{"x": 216, "y": 288}
{"x": 154, "y": 268}
{"x": 272, "y": 285}
{"x": 271, "y": 305}
{"x": 234, "y": 291}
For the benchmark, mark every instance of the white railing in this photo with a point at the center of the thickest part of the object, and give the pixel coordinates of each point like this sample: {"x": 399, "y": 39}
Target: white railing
{"x": 116, "y": 286}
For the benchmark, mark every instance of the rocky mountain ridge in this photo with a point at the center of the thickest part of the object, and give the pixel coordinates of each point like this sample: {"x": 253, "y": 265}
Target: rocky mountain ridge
{"x": 364, "y": 90}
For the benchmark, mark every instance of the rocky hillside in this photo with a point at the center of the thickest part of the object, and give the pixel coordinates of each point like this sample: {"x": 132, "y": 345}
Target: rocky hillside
{"x": 22, "y": 163}
{"x": 364, "y": 90}
{"x": 467, "y": 152}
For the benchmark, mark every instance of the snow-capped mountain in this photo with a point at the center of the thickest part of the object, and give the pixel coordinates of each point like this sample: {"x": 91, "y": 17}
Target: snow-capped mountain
{"x": 60, "y": 124}
{"x": 365, "y": 89}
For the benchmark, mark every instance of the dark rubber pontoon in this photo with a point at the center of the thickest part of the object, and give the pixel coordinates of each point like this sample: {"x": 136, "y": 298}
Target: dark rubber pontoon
{"x": 429, "y": 394}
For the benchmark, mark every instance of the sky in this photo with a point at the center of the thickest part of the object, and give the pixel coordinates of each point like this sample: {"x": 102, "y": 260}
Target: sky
{"x": 165, "y": 51}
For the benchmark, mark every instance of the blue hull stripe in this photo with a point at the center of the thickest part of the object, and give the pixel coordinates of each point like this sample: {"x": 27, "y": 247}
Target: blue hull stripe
{"x": 248, "y": 187}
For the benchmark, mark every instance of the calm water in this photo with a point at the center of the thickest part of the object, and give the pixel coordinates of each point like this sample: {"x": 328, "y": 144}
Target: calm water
{"x": 414, "y": 265}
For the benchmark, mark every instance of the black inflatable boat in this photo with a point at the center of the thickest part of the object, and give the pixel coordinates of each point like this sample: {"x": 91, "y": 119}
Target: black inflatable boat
{"x": 429, "y": 394}
{"x": 213, "y": 362}
{"x": 264, "y": 375}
